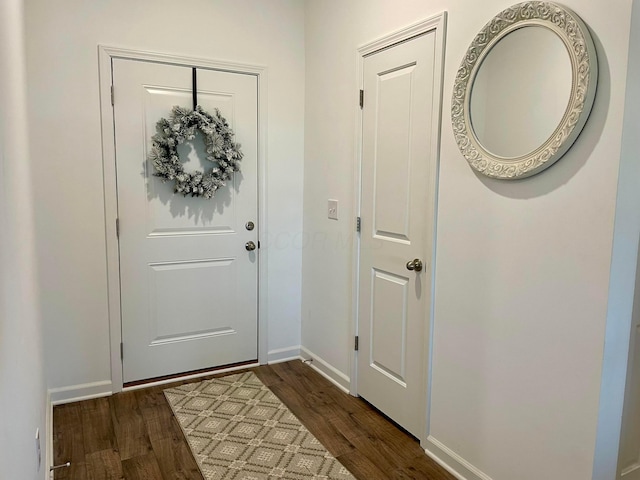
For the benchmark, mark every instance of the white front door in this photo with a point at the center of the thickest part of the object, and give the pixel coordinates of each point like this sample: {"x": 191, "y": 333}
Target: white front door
{"x": 398, "y": 190}
{"x": 188, "y": 285}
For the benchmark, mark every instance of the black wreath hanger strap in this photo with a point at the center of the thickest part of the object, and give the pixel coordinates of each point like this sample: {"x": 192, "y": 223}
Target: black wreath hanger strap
{"x": 194, "y": 87}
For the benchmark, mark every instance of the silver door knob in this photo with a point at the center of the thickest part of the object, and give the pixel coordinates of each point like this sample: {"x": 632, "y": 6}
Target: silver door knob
{"x": 250, "y": 246}
{"x": 415, "y": 265}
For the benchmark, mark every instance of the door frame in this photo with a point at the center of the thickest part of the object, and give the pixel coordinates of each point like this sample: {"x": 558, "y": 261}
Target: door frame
{"x": 106, "y": 54}
{"x": 437, "y": 24}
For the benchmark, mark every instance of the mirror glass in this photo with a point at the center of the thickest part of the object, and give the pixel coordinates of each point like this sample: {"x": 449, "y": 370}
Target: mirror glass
{"x": 521, "y": 91}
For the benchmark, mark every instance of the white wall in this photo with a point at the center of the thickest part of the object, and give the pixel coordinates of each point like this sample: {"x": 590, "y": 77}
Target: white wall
{"x": 64, "y": 111}
{"x": 522, "y": 275}
{"x": 22, "y": 385}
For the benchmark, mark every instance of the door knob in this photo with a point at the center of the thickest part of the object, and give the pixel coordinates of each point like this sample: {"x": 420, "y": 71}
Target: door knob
{"x": 415, "y": 265}
{"x": 252, "y": 246}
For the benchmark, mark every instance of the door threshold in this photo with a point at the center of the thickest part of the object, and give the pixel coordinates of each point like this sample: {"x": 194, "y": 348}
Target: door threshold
{"x": 150, "y": 382}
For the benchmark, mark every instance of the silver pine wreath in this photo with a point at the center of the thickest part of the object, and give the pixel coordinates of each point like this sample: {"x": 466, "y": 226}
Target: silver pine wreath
{"x": 182, "y": 125}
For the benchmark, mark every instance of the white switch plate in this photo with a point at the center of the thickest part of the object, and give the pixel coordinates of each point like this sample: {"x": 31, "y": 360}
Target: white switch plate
{"x": 333, "y": 209}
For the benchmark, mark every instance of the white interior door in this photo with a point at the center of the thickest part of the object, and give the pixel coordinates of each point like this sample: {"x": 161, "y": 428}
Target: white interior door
{"x": 188, "y": 285}
{"x": 397, "y": 227}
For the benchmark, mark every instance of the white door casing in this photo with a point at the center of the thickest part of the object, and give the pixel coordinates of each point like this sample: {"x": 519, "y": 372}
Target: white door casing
{"x": 188, "y": 285}
{"x": 400, "y": 123}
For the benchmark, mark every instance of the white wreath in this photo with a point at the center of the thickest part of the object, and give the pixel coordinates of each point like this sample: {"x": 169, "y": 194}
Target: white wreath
{"x": 220, "y": 148}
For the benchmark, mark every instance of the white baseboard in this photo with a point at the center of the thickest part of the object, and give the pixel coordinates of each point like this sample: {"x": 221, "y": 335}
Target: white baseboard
{"x": 327, "y": 370}
{"x": 75, "y": 393}
{"x": 451, "y": 461}
{"x": 283, "y": 354}
{"x": 631, "y": 472}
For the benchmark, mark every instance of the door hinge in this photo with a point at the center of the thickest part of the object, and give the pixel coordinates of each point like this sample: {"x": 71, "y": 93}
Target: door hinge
{"x": 118, "y": 227}
{"x": 355, "y": 343}
{"x": 358, "y": 224}
{"x": 361, "y": 98}
{"x": 112, "y": 102}
{"x": 121, "y": 351}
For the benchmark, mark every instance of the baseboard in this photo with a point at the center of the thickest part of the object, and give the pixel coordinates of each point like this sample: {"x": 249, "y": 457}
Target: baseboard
{"x": 283, "y": 354}
{"x": 631, "y": 472}
{"x": 75, "y": 393}
{"x": 451, "y": 461}
{"x": 325, "y": 369}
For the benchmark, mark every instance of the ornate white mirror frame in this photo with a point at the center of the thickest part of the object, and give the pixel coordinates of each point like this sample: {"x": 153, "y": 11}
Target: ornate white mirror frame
{"x": 584, "y": 67}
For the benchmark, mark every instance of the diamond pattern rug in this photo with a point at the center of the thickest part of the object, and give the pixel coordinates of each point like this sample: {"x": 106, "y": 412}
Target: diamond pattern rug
{"x": 239, "y": 430}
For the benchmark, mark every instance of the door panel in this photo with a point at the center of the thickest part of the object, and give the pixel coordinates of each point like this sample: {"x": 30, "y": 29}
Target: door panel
{"x": 389, "y": 325}
{"x": 213, "y": 216}
{"x": 397, "y": 191}
{"x": 391, "y": 196}
{"x": 176, "y": 279}
{"x": 188, "y": 285}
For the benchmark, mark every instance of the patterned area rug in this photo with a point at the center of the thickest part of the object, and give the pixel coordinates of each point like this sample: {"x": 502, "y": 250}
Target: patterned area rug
{"x": 238, "y": 429}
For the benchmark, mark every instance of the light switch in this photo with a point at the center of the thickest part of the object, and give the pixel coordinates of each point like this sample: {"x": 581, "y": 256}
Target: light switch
{"x": 333, "y": 209}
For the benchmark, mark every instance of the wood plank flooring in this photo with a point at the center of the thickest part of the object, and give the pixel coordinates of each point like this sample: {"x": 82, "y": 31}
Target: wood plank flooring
{"x": 134, "y": 435}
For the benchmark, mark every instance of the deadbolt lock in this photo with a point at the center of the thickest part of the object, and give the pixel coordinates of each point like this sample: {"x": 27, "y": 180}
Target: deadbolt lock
{"x": 249, "y": 226}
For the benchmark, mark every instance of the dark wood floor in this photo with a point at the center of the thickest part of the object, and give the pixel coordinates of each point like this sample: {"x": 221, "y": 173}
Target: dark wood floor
{"x": 134, "y": 435}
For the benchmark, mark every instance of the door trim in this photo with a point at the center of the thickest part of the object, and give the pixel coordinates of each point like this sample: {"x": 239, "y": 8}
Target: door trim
{"x": 437, "y": 24}
{"x": 105, "y": 56}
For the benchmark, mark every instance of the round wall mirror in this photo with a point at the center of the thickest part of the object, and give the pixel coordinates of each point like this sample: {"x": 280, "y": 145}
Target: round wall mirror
{"x": 524, "y": 90}
{"x": 529, "y": 70}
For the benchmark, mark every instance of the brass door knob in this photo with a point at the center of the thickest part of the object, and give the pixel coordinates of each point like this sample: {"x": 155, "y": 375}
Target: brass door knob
{"x": 415, "y": 265}
{"x": 250, "y": 246}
